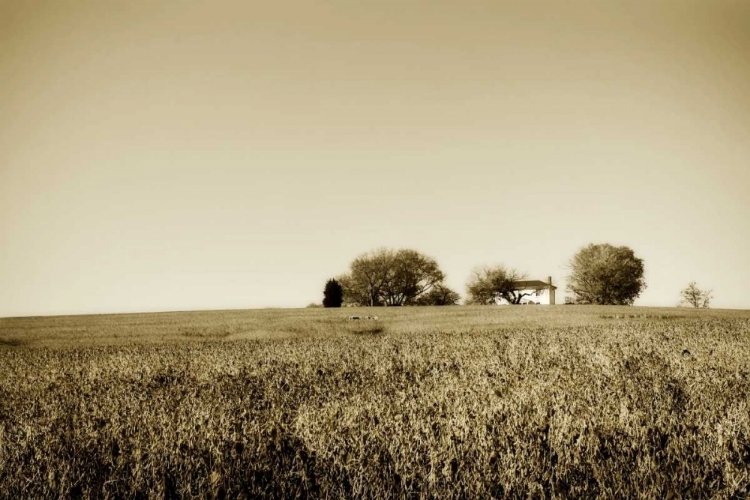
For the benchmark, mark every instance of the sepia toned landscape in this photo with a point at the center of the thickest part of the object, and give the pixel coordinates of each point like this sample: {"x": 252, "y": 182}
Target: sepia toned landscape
{"x": 445, "y": 249}
{"x": 452, "y": 402}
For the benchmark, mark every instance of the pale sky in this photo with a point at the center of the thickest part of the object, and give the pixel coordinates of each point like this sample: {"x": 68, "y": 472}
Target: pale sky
{"x": 200, "y": 155}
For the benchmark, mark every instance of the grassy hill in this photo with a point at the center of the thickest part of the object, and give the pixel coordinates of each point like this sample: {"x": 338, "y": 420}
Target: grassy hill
{"x": 462, "y": 402}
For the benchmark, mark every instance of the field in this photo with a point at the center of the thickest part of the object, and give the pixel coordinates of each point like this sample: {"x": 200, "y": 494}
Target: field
{"x": 456, "y": 402}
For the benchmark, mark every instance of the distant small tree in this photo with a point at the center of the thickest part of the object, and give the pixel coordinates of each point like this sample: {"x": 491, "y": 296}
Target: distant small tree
{"x": 606, "y": 275}
{"x": 333, "y": 294}
{"x": 439, "y": 295}
{"x": 692, "y": 296}
{"x": 490, "y": 283}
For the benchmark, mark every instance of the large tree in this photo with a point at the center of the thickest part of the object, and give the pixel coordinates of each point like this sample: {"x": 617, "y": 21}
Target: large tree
{"x": 367, "y": 277}
{"x": 606, "y": 274}
{"x": 386, "y": 277}
{"x": 692, "y": 296}
{"x": 488, "y": 284}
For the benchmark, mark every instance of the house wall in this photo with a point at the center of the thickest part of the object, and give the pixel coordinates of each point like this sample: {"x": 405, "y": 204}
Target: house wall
{"x": 546, "y": 297}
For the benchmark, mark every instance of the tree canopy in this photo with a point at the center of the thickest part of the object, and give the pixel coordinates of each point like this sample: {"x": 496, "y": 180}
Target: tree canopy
{"x": 439, "y": 295}
{"x": 606, "y": 274}
{"x": 386, "y": 277}
{"x": 488, "y": 284}
{"x": 333, "y": 294}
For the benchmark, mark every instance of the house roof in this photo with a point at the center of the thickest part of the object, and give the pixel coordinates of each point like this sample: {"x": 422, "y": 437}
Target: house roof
{"x": 534, "y": 285}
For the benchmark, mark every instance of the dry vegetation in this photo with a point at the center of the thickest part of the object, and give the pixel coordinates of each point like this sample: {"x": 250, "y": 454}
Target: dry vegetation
{"x": 465, "y": 402}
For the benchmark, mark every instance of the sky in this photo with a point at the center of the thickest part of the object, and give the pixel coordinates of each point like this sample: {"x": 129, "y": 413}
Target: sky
{"x": 214, "y": 155}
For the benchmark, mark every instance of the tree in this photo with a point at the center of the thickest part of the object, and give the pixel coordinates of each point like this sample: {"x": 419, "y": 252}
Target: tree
{"x": 387, "y": 277}
{"x": 367, "y": 277}
{"x": 692, "y": 296}
{"x": 439, "y": 295}
{"x": 607, "y": 275}
{"x": 411, "y": 275}
{"x": 488, "y": 284}
{"x": 356, "y": 293}
{"x": 333, "y": 294}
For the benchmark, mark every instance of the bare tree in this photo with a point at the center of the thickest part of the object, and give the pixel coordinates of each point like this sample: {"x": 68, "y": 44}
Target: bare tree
{"x": 487, "y": 284}
{"x": 692, "y": 296}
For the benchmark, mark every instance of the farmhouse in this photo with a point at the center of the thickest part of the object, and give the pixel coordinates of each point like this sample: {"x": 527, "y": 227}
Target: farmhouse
{"x": 535, "y": 292}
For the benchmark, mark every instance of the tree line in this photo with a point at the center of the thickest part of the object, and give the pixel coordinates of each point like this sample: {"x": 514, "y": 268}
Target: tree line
{"x": 599, "y": 274}
{"x": 387, "y": 277}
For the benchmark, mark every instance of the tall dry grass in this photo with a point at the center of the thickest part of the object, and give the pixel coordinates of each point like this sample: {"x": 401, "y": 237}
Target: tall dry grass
{"x": 450, "y": 403}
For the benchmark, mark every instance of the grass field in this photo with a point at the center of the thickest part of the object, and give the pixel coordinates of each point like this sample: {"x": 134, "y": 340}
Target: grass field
{"x": 456, "y": 402}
